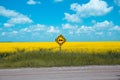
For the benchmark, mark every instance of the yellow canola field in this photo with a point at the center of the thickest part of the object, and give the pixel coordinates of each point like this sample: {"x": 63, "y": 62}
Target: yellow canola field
{"x": 67, "y": 47}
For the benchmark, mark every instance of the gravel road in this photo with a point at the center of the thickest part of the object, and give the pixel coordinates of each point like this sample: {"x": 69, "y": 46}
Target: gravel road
{"x": 62, "y": 73}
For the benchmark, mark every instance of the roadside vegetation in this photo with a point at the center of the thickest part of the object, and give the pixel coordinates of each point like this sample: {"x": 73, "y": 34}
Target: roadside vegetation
{"x": 48, "y": 58}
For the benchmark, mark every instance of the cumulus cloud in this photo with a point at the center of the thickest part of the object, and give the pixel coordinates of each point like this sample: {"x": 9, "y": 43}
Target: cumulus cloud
{"x": 92, "y": 8}
{"x": 116, "y": 28}
{"x": 25, "y": 30}
{"x": 8, "y": 24}
{"x": 32, "y": 31}
{"x": 14, "y": 32}
{"x": 85, "y": 29}
{"x": 52, "y": 29}
{"x": 103, "y": 25}
{"x": 3, "y": 33}
{"x": 40, "y": 27}
{"x": 17, "y": 20}
{"x": 72, "y": 17}
{"x": 33, "y": 28}
{"x": 58, "y": 0}
{"x": 98, "y": 28}
{"x": 117, "y": 2}
{"x": 14, "y": 17}
{"x": 7, "y": 13}
{"x": 70, "y": 32}
{"x": 99, "y": 33}
{"x": 33, "y": 2}
{"x": 69, "y": 26}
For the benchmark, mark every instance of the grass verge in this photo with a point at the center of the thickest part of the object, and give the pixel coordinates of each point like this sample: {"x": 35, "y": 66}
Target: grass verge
{"x": 46, "y": 58}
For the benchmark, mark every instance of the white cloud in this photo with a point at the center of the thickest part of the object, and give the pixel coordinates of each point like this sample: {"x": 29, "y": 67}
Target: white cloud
{"x": 20, "y": 19}
{"x": 3, "y": 33}
{"x": 8, "y": 13}
{"x": 99, "y": 33}
{"x": 25, "y": 30}
{"x": 38, "y": 27}
{"x": 14, "y": 32}
{"x": 116, "y": 28}
{"x": 106, "y": 28}
{"x": 117, "y": 2}
{"x": 14, "y": 17}
{"x": 17, "y": 20}
{"x": 69, "y": 26}
{"x": 93, "y": 21}
{"x": 72, "y": 17}
{"x": 85, "y": 29}
{"x": 11, "y": 33}
{"x": 33, "y": 2}
{"x": 8, "y": 24}
{"x": 32, "y": 28}
{"x": 52, "y": 29}
{"x": 99, "y": 28}
{"x": 70, "y": 32}
{"x": 92, "y": 8}
{"x": 103, "y": 25}
{"x": 58, "y": 0}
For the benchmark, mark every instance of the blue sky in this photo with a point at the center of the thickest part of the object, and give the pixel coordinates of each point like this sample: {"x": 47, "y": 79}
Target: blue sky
{"x": 44, "y": 20}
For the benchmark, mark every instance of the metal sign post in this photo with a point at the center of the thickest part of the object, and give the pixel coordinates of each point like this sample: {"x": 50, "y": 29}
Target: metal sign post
{"x": 60, "y": 49}
{"x": 60, "y": 40}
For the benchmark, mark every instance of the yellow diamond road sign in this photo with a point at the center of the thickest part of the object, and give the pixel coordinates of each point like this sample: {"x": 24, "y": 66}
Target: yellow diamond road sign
{"x": 60, "y": 40}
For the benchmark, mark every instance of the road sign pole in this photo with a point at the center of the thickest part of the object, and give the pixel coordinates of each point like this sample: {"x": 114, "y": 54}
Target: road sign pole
{"x": 60, "y": 49}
